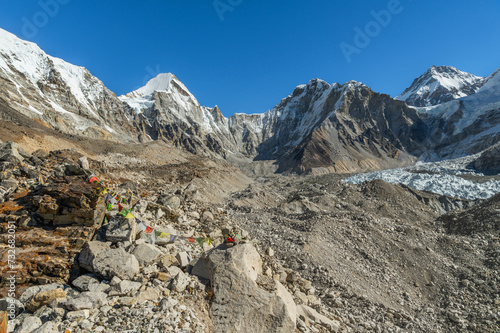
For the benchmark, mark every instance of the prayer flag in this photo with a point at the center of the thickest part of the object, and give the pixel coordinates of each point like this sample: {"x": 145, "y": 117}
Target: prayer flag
{"x": 129, "y": 215}
{"x": 163, "y": 235}
{"x": 148, "y": 230}
{"x": 200, "y": 241}
{"x": 120, "y": 207}
{"x": 157, "y": 233}
{"x": 191, "y": 239}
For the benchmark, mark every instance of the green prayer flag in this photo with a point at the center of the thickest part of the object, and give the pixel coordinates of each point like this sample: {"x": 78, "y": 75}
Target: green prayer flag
{"x": 124, "y": 212}
{"x": 200, "y": 241}
{"x": 157, "y": 233}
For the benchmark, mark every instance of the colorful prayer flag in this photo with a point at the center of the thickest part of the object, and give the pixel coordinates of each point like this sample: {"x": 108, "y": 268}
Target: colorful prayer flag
{"x": 157, "y": 233}
{"x": 123, "y": 212}
{"x": 129, "y": 215}
{"x": 200, "y": 241}
{"x": 163, "y": 235}
{"x": 120, "y": 207}
{"x": 191, "y": 239}
{"x": 148, "y": 230}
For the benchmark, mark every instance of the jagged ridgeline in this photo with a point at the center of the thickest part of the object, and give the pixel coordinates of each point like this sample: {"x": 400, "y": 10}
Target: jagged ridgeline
{"x": 318, "y": 128}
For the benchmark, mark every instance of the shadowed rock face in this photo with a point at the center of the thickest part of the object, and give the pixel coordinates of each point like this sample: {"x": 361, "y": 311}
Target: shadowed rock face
{"x": 489, "y": 161}
{"x": 369, "y": 131}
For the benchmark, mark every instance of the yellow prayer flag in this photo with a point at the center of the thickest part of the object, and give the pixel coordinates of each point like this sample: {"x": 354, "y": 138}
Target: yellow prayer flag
{"x": 129, "y": 216}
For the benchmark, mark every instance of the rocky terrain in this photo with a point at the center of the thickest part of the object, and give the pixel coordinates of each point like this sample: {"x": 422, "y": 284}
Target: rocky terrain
{"x": 315, "y": 255}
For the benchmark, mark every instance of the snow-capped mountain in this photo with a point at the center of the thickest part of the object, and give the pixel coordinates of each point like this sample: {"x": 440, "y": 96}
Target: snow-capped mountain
{"x": 467, "y": 125}
{"x": 63, "y": 95}
{"x": 324, "y": 128}
{"x": 439, "y": 85}
{"x": 319, "y": 127}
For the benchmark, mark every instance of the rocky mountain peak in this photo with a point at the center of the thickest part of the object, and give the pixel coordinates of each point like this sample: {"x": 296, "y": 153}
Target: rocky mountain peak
{"x": 159, "y": 83}
{"x": 440, "y": 84}
{"x": 492, "y": 81}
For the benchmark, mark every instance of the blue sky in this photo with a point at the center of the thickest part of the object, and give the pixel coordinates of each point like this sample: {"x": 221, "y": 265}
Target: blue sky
{"x": 247, "y": 55}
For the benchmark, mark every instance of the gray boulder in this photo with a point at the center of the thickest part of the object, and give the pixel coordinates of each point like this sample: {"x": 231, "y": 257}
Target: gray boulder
{"x": 83, "y": 282}
{"x": 121, "y": 229}
{"x": 98, "y": 258}
{"x": 9, "y": 303}
{"x": 171, "y": 201}
{"x": 48, "y": 327}
{"x": 29, "y": 324}
{"x": 147, "y": 254}
{"x": 89, "y": 253}
{"x": 83, "y": 162}
{"x": 12, "y": 152}
{"x": 180, "y": 282}
{"x": 239, "y": 304}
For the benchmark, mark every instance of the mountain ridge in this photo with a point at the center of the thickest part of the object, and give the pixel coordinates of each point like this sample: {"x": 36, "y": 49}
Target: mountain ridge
{"x": 319, "y": 127}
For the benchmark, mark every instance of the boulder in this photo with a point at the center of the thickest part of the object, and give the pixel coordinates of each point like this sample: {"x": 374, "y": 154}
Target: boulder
{"x": 171, "y": 201}
{"x": 308, "y": 315}
{"x": 180, "y": 282}
{"x": 150, "y": 294}
{"x": 44, "y": 298}
{"x": 121, "y": 229}
{"x": 48, "y": 327}
{"x": 207, "y": 216}
{"x": 147, "y": 254}
{"x": 83, "y": 282}
{"x": 77, "y": 315}
{"x": 98, "y": 258}
{"x": 125, "y": 287}
{"x": 239, "y": 304}
{"x": 168, "y": 260}
{"x": 116, "y": 262}
{"x": 77, "y": 304}
{"x": 10, "y": 304}
{"x": 183, "y": 259}
{"x": 32, "y": 291}
{"x": 12, "y": 152}
{"x": 83, "y": 162}
{"x": 89, "y": 253}
{"x": 29, "y": 324}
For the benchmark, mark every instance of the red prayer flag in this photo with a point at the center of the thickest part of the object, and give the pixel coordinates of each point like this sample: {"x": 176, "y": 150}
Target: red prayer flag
{"x": 120, "y": 207}
{"x": 148, "y": 230}
{"x": 191, "y": 239}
